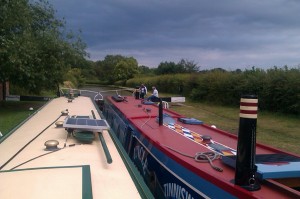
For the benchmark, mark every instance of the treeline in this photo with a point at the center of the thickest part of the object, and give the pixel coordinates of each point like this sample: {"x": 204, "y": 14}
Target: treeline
{"x": 118, "y": 68}
{"x": 278, "y": 89}
{"x": 38, "y": 52}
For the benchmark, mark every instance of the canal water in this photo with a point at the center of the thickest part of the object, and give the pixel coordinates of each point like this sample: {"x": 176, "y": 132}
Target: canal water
{"x": 99, "y": 92}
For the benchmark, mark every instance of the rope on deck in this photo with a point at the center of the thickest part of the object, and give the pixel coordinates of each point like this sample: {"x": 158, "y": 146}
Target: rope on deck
{"x": 201, "y": 157}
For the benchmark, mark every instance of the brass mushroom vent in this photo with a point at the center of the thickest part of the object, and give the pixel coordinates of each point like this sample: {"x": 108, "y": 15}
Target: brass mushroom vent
{"x": 59, "y": 123}
{"x": 51, "y": 145}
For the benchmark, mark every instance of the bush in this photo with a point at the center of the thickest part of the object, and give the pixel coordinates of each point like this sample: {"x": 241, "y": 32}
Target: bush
{"x": 278, "y": 89}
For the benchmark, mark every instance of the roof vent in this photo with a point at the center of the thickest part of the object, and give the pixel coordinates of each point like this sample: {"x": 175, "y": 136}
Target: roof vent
{"x": 51, "y": 145}
{"x": 59, "y": 123}
{"x": 64, "y": 112}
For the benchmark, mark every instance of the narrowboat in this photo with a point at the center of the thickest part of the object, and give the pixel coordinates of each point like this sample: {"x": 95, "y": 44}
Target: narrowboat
{"x": 182, "y": 157}
{"x": 65, "y": 150}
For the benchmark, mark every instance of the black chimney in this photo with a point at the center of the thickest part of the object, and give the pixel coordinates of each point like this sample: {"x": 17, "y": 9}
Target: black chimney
{"x": 245, "y": 162}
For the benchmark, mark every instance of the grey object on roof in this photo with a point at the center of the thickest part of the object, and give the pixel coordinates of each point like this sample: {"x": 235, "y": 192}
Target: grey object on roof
{"x": 86, "y": 124}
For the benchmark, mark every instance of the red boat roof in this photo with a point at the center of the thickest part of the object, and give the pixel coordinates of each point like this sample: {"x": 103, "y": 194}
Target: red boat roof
{"x": 175, "y": 141}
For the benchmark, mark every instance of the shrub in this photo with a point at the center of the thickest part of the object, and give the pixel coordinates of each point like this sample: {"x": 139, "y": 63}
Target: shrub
{"x": 278, "y": 89}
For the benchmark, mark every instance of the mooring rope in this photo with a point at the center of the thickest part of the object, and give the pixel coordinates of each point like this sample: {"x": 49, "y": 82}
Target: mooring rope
{"x": 149, "y": 117}
{"x": 209, "y": 157}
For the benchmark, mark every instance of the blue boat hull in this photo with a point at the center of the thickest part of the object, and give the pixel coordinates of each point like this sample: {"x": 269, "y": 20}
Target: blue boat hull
{"x": 165, "y": 177}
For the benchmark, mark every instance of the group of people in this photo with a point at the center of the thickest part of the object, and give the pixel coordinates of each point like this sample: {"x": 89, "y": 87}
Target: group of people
{"x": 143, "y": 93}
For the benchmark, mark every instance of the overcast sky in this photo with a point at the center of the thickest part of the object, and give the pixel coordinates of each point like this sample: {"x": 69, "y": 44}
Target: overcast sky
{"x": 229, "y": 34}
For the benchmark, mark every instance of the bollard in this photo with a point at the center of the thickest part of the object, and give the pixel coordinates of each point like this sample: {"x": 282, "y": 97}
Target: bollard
{"x": 245, "y": 162}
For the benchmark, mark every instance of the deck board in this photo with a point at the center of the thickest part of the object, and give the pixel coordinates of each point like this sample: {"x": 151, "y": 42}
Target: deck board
{"x": 106, "y": 178}
{"x": 51, "y": 181}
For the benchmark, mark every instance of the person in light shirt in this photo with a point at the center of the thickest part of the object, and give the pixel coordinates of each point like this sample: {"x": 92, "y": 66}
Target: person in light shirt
{"x": 154, "y": 94}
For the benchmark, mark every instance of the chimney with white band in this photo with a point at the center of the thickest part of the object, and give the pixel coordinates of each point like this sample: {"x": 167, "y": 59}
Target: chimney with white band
{"x": 245, "y": 161}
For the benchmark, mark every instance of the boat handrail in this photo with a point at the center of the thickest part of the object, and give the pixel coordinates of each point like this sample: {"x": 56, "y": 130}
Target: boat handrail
{"x": 98, "y": 93}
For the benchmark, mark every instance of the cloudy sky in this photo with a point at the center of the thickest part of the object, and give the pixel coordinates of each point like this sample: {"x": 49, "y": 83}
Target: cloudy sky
{"x": 229, "y": 34}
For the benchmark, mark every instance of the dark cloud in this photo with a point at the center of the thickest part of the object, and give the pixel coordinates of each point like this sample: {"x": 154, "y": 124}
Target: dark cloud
{"x": 229, "y": 34}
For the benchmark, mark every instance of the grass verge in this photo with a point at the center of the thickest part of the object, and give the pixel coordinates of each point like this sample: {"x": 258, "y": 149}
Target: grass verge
{"x": 13, "y": 113}
{"x": 276, "y": 130}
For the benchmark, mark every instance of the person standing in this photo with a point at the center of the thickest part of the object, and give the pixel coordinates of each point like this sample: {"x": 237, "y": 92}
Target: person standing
{"x": 143, "y": 91}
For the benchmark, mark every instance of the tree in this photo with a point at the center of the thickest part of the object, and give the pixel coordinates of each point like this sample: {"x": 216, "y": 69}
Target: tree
{"x": 189, "y": 66}
{"x": 145, "y": 70}
{"x": 183, "y": 66}
{"x": 35, "y": 52}
{"x": 11, "y": 29}
{"x": 169, "y": 68}
{"x": 116, "y": 67}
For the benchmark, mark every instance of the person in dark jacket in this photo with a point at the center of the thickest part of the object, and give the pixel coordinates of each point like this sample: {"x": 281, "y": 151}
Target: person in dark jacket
{"x": 143, "y": 91}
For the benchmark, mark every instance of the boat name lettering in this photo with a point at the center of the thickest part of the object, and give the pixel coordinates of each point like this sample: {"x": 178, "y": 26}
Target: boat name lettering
{"x": 173, "y": 190}
{"x": 141, "y": 155}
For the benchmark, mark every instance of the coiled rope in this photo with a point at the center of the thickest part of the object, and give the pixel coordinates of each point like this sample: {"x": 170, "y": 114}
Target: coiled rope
{"x": 201, "y": 157}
